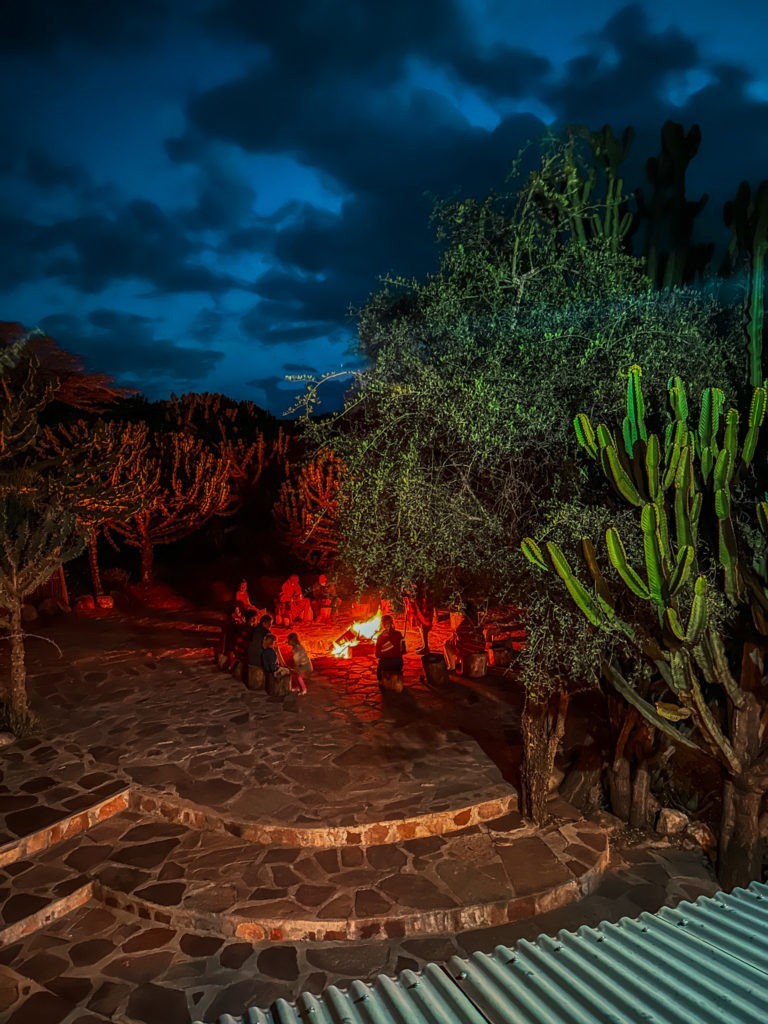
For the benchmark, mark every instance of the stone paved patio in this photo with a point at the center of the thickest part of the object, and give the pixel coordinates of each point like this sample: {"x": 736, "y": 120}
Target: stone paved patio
{"x": 347, "y": 813}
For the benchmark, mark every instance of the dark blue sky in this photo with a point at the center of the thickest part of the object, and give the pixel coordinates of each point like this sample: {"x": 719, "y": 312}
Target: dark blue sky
{"x": 193, "y": 193}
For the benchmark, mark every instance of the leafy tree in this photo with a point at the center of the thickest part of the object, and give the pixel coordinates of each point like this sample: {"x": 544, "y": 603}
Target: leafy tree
{"x": 689, "y": 599}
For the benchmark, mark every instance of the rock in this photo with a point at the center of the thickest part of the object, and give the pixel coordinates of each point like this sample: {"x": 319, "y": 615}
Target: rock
{"x": 28, "y": 613}
{"x": 671, "y": 822}
{"x": 6, "y": 739}
{"x": 85, "y": 603}
{"x": 255, "y": 678}
{"x": 555, "y": 779}
{"x": 582, "y": 786}
{"x": 703, "y": 836}
{"x": 278, "y": 683}
{"x": 105, "y": 601}
{"x": 608, "y": 822}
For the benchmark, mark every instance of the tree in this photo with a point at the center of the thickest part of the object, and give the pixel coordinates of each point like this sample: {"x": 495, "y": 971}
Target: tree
{"x": 694, "y": 612}
{"x": 107, "y": 485}
{"x": 36, "y": 537}
{"x": 191, "y": 483}
{"x": 306, "y": 510}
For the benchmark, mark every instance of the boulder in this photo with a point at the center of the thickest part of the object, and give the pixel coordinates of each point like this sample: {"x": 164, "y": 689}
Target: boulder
{"x": 671, "y": 822}
{"x": 703, "y": 836}
{"x": 85, "y": 604}
{"x": 583, "y": 786}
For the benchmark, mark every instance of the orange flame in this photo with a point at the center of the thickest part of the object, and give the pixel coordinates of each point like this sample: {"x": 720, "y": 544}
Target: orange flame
{"x": 367, "y": 630}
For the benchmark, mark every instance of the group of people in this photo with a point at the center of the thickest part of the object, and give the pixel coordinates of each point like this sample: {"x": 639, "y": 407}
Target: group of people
{"x": 466, "y": 640}
{"x": 248, "y": 640}
{"x": 297, "y": 604}
{"x": 249, "y": 643}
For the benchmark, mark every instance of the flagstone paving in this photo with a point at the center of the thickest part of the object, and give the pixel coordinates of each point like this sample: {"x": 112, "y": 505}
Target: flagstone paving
{"x": 382, "y": 819}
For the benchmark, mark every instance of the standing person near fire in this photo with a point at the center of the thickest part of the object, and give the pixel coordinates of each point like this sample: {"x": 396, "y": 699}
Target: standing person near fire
{"x": 390, "y": 648}
{"x": 301, "y": 670}
{"x": 420, "y": 607}
{"x": 467, "y": 638}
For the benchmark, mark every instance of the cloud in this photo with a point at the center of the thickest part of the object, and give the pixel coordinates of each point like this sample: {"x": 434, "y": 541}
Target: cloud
{"x": 38, "y": 27}
{"x": 138, "y": 242}
{"x": 126, "y": 346}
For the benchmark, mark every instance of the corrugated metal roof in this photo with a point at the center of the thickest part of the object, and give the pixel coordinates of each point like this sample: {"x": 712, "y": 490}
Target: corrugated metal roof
{"x": 702, "y": 963}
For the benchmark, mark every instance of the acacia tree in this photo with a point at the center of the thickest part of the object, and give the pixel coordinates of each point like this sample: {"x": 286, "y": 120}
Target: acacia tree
{"x": 190, "y": 483}
{"x": 307, "y": 506}
{"x": 689, "y": 599}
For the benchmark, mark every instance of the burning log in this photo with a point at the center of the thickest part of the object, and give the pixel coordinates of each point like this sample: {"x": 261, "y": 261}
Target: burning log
{"x": 341, "y": 646}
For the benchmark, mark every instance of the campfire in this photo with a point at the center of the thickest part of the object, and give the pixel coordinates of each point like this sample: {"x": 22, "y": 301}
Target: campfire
{"x": 342, "y": 645}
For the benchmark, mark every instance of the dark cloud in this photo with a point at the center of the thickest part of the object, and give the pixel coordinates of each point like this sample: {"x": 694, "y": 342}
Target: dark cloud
{"x": 139, "y": 242}
{"x": 126, "y": 346}
{"x": 44, "y": 171}
{"x": 37, "y": 27}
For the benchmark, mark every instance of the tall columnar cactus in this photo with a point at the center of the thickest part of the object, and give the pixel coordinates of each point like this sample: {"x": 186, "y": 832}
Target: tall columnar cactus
{"x": 669, "y": 249}
{"x": 593, "y": 211}
{"x": 683, "y": 489}
{"x": 747, "y": 217}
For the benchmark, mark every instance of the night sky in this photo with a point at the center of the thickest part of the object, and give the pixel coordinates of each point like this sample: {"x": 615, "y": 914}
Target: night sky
{"x": 193, "y": 194}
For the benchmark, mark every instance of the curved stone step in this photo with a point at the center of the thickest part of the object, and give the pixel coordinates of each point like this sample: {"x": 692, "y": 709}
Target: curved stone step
{"x": 370, "y": 833}
{"x": 217, "y": 884}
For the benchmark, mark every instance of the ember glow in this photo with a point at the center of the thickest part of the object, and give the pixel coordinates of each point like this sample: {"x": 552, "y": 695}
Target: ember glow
{"x": 358, "y": 631}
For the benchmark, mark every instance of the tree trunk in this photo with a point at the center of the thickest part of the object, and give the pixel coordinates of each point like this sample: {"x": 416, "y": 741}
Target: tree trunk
{"x": 93, "y": 562}
{"x": 741, "y": 849}
{"x": 740, "y": 859}
{"x": 640, "y": 812}
{"x": 17, "y": 695}
{"x": 147, "y": 561}
{"x": 542, "y": 727}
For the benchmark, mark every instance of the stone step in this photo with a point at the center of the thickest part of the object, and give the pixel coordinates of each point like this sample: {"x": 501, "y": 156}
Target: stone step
{"x": 218, "y": 884}
{"x": 435, "y": 822}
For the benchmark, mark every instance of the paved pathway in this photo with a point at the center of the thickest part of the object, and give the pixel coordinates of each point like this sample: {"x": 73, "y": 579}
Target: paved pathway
{"x": 382, "y": 818}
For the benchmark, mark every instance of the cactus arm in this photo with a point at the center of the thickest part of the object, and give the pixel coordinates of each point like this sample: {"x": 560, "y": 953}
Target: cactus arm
{"x": 594, "y": 610}
{"x": 634, "y": 422}
{"x": 648, "y": 711}
{"x": 532, "y": 552}
{"x": 585, "y": 435}
{"x": 727, "y": 548}
{"x": 677, "y": 399}
{"x": 601, "y": 584}
{"x": 709, "y": 726}
{"x": 620, "y": 478}
{"x": 756, "y": 417}
{"x": 618, "y": 557}
{"x": 682, "y": 570}
{"x": 653, "y": 554}
{"x": 697, "y": 619}
{"x": 652, "y": 460}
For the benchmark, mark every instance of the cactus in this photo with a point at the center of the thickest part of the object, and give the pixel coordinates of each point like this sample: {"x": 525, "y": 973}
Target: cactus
{"x": 747, "y": 217}
{"x": 672, "y": 484}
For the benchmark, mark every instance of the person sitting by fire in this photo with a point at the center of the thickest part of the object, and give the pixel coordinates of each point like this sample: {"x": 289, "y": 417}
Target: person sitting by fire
{"x": 467, "y": 639}
{"x": 292, "y": 605}
{"x": 241, "y": 597}
{"x": 390, "y": 648}
{"x": 420, "y": 609}
{"x": 324, "y": 596}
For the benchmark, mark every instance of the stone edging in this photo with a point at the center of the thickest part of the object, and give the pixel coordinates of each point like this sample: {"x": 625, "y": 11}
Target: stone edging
{"x": 377, "y": 833}
{"x": 448, "y": 920}
{"x": 50, "y": 912}
{"x": 71, "y": 825}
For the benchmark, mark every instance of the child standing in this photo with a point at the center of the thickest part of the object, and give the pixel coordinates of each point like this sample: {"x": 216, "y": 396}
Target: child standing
{"x": 302, "y": 663}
